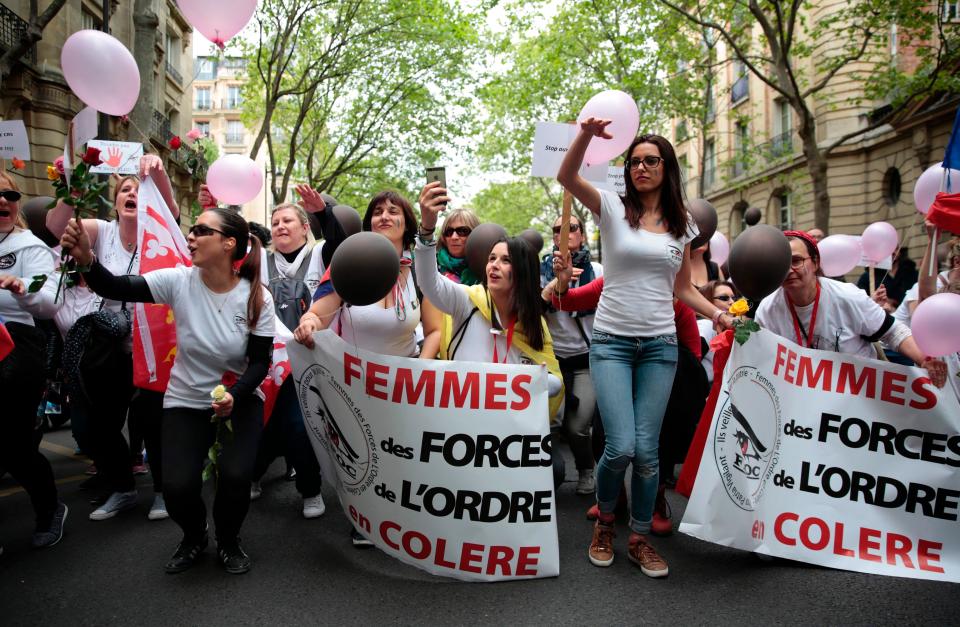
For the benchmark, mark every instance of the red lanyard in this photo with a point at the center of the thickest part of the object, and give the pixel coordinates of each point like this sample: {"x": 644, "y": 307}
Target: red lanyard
{"x": 797, "y": 328}
{"x": 496, "y": 355}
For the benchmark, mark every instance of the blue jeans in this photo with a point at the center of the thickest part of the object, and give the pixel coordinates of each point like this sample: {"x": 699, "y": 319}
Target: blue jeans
{"x": 644, "y": 368}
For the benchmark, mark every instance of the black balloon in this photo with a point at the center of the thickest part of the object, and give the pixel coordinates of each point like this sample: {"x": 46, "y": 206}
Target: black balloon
{"x": 479, "y": 243}
{"x": 348, "y": 218}
{"x": 330, "y": 200}
{"x": 706, "y": 218}
{"x": 752, "y": 216}
{"x": 35, "y": 213}
{"x": 759, "y": 261}
{"x": 364, "y": 268}
{"x": 532, "y": 237}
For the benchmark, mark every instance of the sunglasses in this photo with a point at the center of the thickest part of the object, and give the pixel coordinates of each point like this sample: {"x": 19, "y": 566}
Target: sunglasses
{"x": 462, "y": 231}
{"x": 573, "y": 228}
{"x": 649, "y": 162}
{"x": 202, "y": 230}
{"x": 10, "y": 195}
{"x": 723, "y": 297}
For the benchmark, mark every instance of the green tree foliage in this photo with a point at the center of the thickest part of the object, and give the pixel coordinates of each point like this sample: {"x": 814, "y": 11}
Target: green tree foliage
{"x": 516, "y": 205}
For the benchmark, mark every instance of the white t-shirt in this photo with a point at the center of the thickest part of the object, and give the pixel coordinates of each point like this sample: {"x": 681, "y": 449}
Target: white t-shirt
{"x": 381, "y": 330}
{"x": 640, "y": 268}
{"x": 212, "y": 332}
{"x": 902, "y": 314}
{"x": 567, "y": 340}
{"x": 25, "y": 256}
{"x": 845, "y": 314}
{"x": 114, "y": 257}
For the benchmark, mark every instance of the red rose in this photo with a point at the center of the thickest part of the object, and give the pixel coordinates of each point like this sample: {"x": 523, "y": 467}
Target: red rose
{"x": 92, "y": 157}
{"x": 175, "y": 142}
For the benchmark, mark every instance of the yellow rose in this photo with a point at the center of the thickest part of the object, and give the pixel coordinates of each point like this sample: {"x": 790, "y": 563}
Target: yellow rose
{"x": 218, "y": 393}
{"x": 52, "y": 173}
{"x": 740, "y": 307}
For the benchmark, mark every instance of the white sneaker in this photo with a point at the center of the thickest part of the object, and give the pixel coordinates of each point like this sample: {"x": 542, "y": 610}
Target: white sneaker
{"x": 314, "y": 507}
{"x": 158, "y": 511}
{"x": 586, "y": 484}
{"x": 255, "y": 490}
{"x": 118, "y": 502}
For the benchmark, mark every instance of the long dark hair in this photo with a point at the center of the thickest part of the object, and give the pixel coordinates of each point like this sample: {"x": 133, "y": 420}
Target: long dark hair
{"x": 236, "y": 227}
{"x": 526, "y": 299}
{"x": 671, "y": 191}
{"x": 409, "y": 218}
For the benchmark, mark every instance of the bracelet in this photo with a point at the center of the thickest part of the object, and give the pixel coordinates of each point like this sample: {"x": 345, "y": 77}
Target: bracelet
{"x": 425, "y": 231}
{"x": 717, "y": 314}
{"x": 426, "y": 240}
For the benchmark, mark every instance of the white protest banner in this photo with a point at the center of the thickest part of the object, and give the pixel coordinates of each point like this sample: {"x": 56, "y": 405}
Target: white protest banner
{"x": 13, "y": 140}
{"x": 444, "y": 465}
{"x": 615, "y": 181}
{"x": 831, "y": 459}
{"x": 550, "y": 143}
{"x": 117, "y": 157}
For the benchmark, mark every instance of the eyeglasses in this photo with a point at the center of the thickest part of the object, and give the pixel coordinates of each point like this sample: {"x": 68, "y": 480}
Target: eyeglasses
{"x": 462, "y": 231}
{"x": 202, "y": 230}
{"x": 723, "y": 297}
{"x": 797, "y": 261}
{"x": 573, "y": 228}
{"x": 649, "y": 162}
{"x": 10, "y": 195}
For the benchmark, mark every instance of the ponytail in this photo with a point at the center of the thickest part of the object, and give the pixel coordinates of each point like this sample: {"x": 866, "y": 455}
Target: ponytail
{"x": 247, "y": 254}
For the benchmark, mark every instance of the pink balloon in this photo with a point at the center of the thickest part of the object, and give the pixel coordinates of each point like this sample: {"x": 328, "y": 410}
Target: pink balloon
{"x": 719, "y": 248}
{"x": 927, "y": 186}
{"x": 934, "y": 324}
{"x": 621, "y": 109}
{"x": 101, "y": 71}
{"x": 879, "y": 240}
{"x": 839, "y": 254}
{"x": 220, "y": 20}
{"x": 235, "y": 179}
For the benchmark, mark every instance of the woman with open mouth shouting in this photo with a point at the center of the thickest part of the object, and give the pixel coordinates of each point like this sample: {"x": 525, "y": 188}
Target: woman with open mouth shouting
{"x": 111, "y": 393}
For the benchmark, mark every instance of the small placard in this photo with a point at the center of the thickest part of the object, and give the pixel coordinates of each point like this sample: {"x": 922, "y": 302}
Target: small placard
{"x": 13, "y": 140}
{"x": 117, "y": 157}
{"x": 883, "y": 264}
{"x": 84, "y": 127}
{"x": 550, "y": 143}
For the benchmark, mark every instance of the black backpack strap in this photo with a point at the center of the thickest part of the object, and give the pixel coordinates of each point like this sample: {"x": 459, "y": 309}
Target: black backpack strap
{"x": 583, "y": 333}
{"x": 459, "y": 333}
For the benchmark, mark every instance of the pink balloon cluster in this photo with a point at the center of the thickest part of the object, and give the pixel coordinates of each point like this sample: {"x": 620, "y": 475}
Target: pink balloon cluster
{"x": 218, "y": 20}
{"x": 235, "y": 179}
{"x": 839, "y": 254}
{"x": 101, "y": 71}
{"x": 879, "y": 240}
{"x": 621, "y": 109}
{"x": 934, "y": 324}
{"x": 930, "y": 183}
{"x": 719, "y": 248}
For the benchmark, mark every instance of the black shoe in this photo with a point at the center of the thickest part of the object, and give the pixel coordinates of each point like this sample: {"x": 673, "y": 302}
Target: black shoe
{"x": 186, "y": 555}
{"x": 49, "y": 534}
{"x": 231, "y": 555}
{"x": 359, "y": 540}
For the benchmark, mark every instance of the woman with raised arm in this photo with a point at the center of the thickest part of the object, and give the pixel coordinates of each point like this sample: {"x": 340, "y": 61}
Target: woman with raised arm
{"x": 225, "y": 326}
{"x": 646, "y": 236}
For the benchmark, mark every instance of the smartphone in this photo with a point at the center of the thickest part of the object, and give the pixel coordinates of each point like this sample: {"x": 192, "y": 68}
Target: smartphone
{"x": 437, "y": 173}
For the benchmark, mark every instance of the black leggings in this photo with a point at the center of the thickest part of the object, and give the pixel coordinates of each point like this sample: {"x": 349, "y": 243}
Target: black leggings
{"x": 106, "y": 405}
{"x": 146, "y": 416}
{"x": 187, "y": 436}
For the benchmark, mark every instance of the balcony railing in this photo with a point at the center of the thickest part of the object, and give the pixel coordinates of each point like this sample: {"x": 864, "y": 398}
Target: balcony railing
{"x": 740, "y": 89}
{"x": 173, "y": 73}
{"x": 13, "y": 29}
{"x": 202, "y": 105}
{"x": 779, "y": 145}
{"x": 234, "y": 139}
{"x": 161, "y": 127}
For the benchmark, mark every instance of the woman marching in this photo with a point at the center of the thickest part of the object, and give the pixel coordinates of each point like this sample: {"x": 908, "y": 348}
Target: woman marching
{"x": 22, "y": 374}
{"x": 225, "y": 327}
{"x": 646, "y": 237}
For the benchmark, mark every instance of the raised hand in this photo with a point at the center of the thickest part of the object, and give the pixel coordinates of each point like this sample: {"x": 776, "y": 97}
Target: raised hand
{"x": 433, "y": 199}
{"x": 310, "y": 199}
{"x": 150, "y": 165}
{"x": 597, "y": 127}
{"x": 205, "y": 198}
{"x": 563, "y": 269}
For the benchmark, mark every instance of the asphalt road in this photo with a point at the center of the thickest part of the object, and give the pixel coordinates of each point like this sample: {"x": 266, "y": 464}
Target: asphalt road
{"x": 306, "y": 572}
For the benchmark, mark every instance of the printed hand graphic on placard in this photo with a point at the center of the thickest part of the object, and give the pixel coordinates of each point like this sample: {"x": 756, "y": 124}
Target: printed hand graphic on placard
{"x": 114, "y": 155}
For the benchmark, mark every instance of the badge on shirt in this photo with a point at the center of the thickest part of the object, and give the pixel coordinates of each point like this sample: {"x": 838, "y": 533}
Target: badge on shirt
{"x": 8, "y": 261}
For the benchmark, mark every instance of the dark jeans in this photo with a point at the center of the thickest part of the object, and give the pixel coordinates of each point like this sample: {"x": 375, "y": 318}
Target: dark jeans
{"x": 187, "y": 436}
{"x": 146, "y": 412}
{"x": 687, "y": 398}
{"x": 22, "y": 380}
{"x": 580, "y": 407}
{"x": 286, "y": 434}
{"x": 107, "y": 402}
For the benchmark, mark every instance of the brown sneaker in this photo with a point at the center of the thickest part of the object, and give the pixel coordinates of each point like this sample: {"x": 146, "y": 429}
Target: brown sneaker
{"x": 601, "y": 548}
{"x": 647, "y": 558}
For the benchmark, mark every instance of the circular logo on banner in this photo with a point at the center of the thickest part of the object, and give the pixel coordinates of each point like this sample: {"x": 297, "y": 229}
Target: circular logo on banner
{"x": 746, "y": 441}
{"x": 340, "y": 427}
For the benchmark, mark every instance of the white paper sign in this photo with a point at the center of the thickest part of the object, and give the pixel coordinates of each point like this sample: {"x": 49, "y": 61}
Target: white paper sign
{"x": 444, "y": 465}
{"x": 13, "y": 140}
{"x": 831, "y": 459}
{"x": 550, "y": 143}
{"x": 84, "y": 127}
{"x": 615, "y": 181}
{"x": 883, "y": 264}
{"x": 117, "y": 157}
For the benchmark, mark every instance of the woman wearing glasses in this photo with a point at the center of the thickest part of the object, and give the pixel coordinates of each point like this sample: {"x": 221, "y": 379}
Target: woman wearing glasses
{"x": 821, "y": 313}
{"x": 225, "y": 324}
{"x": 722, "y": 294}
{"x": 109, "y": 397}
{"x": 646, "y": 236}
{"x": 452, "y": 248}
{"x": 22, "y": 373}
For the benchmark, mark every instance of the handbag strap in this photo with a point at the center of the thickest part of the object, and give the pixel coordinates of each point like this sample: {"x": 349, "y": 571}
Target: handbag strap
{"x": 133, "y": 257}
